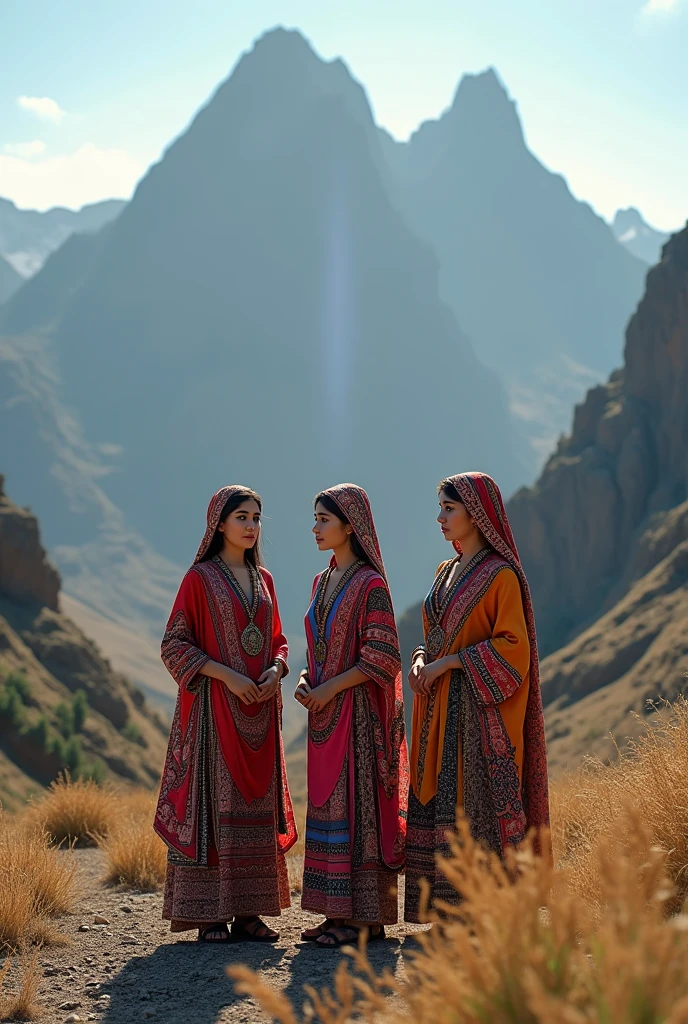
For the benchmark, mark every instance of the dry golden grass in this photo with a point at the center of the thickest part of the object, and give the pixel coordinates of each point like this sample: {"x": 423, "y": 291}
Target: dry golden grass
{"x": 78, "y": 811}
{"x": 20, "y": 1005}
{"x": 587, "y": 942}
{"x": 136, "y": 856}
{"x": 35, "y": 884}
{"x": 588, "y": 806}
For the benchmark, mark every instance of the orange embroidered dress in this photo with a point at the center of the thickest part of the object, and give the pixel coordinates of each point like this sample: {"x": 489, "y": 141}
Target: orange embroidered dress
{"x": 478, "y": 738}
{"x": 224, "y": 808}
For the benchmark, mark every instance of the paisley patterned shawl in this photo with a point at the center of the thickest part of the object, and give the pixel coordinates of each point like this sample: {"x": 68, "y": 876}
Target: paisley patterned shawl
{"x": 483, "y": 501}
{"x": 363, "y": 633}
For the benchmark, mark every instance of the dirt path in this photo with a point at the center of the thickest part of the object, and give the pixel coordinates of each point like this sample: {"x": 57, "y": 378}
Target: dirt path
{"x": 133, "y": 969}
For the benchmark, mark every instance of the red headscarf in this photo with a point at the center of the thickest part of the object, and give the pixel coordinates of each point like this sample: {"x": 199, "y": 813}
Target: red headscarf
{"x": 217, "y": 503}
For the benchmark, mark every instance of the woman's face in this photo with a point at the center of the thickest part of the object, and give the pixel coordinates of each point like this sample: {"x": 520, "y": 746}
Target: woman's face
{"x": 242, "y": 526}
{"x": 329, "y": 531}
{"x": 454, "y": 520}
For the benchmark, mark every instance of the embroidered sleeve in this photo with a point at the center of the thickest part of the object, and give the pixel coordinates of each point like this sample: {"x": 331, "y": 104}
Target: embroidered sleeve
{"x": 182, "y": 657}
{"x": 495, "y": 668}
{"x": 280, "y": 647}
{"x": 379, "y": 656}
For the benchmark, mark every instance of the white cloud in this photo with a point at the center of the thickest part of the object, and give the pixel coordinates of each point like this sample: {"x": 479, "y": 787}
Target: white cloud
{"x": 660, "y": 6}
{"x": 85, "y": 176}
{"x": 25, "y": 149}
{"x": 43, "y": 107}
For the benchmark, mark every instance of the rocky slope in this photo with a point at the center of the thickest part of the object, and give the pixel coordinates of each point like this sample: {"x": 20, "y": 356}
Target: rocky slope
{"x": 45, "y": 660}
{"x": 623, "y": 468}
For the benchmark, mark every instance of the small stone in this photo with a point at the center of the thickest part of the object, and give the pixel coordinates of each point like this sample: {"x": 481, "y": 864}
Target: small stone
{"x": 105, "y": 998}
{"x": 125, "y": 909}
{"x": 74, "y": 1005}
{"x": 145, "y": 997}
{"x": 98, "y": 927}
{"x": 50, "y": 972}
{"x": 84, "y": 927}
{"x": 129, "y": 940}
{"x": 99, "y": 919}
{"x": 72, "y": 1019}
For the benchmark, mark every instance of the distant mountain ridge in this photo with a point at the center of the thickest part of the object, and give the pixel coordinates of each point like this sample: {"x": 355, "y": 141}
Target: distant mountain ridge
{"x": 27, "y": 237}
{"x": 10, "y": 280}
{"x": 633, "y": 232}
{"x": 534, "y": 276}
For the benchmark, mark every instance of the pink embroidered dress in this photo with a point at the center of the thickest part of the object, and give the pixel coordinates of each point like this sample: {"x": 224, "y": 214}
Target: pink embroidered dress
{"x": 357, "y": 757}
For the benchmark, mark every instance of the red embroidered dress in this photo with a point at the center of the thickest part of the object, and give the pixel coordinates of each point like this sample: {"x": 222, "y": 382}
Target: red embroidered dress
{"x": 357, "y": 758}
{"x": 224, "y": 808}
{"x": 478, "y": 737}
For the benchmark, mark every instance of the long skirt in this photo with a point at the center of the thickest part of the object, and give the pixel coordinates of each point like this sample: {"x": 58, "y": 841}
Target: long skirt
{"x": 248, "y": 877}
{"x": 344, "y": 874}
{"x": 430, "y": 824}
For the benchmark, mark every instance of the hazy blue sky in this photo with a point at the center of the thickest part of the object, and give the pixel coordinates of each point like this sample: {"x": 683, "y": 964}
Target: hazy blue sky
{"x": 601, "y": 85}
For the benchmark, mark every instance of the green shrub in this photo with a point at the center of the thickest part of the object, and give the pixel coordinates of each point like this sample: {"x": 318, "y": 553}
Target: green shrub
{"x": 73, "y": 756}
{"x": 132, "y": 733}
{"x": 12, "y": 712}
{"x": 95, "y": 771}
{"x": 64, "y": 713}
{"x": 39, "y": 732}
{"x": 79, "y": 710}
{"x": 17, "y": 681}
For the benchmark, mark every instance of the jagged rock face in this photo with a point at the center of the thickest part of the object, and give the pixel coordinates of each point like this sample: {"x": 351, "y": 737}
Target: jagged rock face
{"x": 26, "y": 575}
{"x": 626, "y": 460}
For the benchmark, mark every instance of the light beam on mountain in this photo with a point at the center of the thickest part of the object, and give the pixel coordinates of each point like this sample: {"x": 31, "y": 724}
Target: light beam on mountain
{"x": 339, "y": 321}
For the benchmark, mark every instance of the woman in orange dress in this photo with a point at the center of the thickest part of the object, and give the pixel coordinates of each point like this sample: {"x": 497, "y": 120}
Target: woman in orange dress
{"x": 478, "y": 741}
{"x": 224, "y": 809}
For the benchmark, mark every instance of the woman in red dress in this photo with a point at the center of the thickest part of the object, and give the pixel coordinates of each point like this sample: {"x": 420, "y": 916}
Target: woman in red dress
{"x": 224, "y": 809}
{"x": 357, "y": 758}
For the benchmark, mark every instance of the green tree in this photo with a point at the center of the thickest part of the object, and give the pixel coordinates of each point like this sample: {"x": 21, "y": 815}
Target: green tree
{"x": 79, "y": 710}
{"x": 64, "y": 713}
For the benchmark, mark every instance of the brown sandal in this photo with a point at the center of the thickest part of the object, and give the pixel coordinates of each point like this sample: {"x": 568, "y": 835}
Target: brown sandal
{"x": 221, "y": 927}
{"x": 240, "y": 933}
{"x": 328, "y": 923}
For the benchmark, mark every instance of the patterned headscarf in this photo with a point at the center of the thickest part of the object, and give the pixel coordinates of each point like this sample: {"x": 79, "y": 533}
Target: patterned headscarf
{"x": 354, "y": 504}
{"x": 217, "y": 503}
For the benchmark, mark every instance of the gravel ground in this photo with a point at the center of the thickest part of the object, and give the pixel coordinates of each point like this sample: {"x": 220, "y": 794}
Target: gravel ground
{"x": 133, "y": 969}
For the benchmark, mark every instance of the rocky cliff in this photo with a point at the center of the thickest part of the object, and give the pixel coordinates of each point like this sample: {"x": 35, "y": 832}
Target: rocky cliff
{"x": 61, "y": 704}
{"x": 603, "y": 535}
{"x": 581, "y": 527}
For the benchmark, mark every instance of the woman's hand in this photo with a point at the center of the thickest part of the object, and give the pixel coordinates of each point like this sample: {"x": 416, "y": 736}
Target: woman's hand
{"x": 242, "y": 687}
{"x": 302, "y": 687}
{"x": 314, "y": 699}
{"x": 429, "y": 674}
{"x": 269, "y": 682}
{"x": 414, "y": 674}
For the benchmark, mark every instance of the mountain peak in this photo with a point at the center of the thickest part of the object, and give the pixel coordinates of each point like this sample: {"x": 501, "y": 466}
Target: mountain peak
{"x": 482, "y": 104}
{"x": 635, "y": 234}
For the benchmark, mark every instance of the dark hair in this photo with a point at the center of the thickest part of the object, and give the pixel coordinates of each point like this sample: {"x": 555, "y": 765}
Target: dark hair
{"x": 450, "y": 490}
{"x": 333, "y": 508}
{"x": 253, "y": 555}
